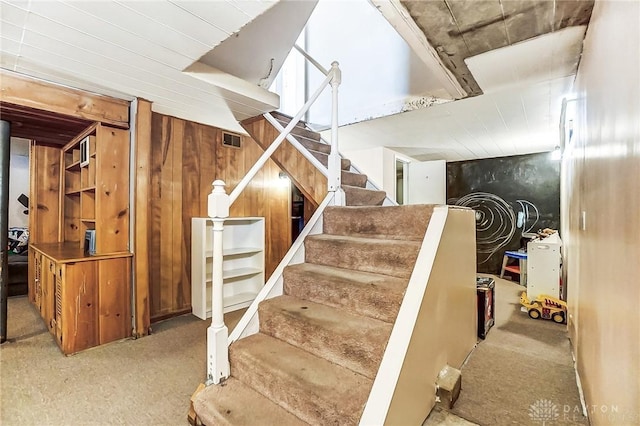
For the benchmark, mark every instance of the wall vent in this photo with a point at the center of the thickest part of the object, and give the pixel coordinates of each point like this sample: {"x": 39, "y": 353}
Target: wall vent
{"x": 229, "y": 139}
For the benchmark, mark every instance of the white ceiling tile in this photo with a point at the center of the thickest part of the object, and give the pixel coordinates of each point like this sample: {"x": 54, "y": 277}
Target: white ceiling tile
{"x": 9, "y": 46}
{"x": 90, "y": 26}
{"x": 10, "y": 31}
{"x": 142, "y": 26}
{"x": 180, "y": 20}
{"x": 8, "y": 60}
{"x": 15, "y": 13}
{"x": 253, "y": 8}
{"x": 118, "y": 74}
{"x": 543, "y": 58}
{"x": 210, "y": 11}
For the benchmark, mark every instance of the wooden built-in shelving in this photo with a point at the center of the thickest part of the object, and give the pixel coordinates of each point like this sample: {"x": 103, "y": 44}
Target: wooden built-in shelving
{"x": 85, "y": 299}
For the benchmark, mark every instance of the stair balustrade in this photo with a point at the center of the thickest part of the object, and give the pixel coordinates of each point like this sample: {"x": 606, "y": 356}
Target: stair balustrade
{"x": 219, "y": 203}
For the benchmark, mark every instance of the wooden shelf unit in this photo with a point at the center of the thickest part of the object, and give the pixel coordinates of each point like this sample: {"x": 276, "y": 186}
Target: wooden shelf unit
{"x": 243, "y": 263}
{"x": 84, "y": 300}
{"x": 96, "y": 194}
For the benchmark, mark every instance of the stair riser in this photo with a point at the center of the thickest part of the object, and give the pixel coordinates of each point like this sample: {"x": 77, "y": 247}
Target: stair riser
{"x": 357, "y": 345}
{"x": 300, "y": 130}
{"x": 370, "y": 299}
{"x": 315, "y": 146}
{"x": 324, "y": 160}
{"x": 377, "y": 257}
{"x": 363, "y": 197}
{"x": 393, "y": 222}
{"x": 285, "y": 390}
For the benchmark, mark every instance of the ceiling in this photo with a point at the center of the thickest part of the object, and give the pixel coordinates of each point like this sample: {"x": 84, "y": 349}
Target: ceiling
{"x": 130, "y": 49}
{"x": 516, "y": 59}
{"x": 459, "y": 29}
{"x": 165, "y": 51}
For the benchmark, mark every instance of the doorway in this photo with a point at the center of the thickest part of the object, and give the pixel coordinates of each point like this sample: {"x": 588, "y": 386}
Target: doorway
{"x": 402, "y": 182}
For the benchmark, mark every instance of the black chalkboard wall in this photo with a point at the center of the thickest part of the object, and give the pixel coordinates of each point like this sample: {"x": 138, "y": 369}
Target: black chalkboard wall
{"x": 511, "y": 195}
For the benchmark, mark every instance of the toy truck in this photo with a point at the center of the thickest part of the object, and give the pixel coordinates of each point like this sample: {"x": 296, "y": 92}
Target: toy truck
{"x": 546, "y": 307}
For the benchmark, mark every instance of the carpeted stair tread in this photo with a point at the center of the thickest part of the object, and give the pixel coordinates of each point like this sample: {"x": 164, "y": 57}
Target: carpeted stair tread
{"x": 356, "y": 196}
{"x": 313, "y": 389}
{"x": 352, "y": 341}
{"x": 324, "y": 160}
{"x": 363, "y": 293}
{"x": 389, "y": 222}
{"x": 388, "y": 257}
{"x": 234, "y": 403}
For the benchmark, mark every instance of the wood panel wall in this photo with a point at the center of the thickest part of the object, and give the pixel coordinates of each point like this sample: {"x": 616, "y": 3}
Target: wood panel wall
{"x": 311, "y": 182}
{"x": 185, "y": 159}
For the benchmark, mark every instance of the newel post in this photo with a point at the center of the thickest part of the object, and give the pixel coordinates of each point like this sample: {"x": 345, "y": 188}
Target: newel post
{"x": 335, "y": 167}
{"x": 217, "y": 333}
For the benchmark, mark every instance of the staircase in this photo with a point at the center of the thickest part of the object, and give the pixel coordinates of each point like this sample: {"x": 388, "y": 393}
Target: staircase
{"x": 303, "y": 174}
{"x": 320, "y": 344}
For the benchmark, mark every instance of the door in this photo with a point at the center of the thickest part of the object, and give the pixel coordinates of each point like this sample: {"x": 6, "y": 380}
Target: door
{"x": 427, "y": 182}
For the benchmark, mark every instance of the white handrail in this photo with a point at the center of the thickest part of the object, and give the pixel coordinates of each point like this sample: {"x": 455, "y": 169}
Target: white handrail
{"x": 304, "y": 151}
{"x": 310, "y": 59}
{"x": 219, "y": 204}
{"x": 276, "y": 143}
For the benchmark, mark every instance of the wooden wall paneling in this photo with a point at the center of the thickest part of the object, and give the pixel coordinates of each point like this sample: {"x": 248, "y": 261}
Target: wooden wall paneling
{"x": 305, "y": 176}
{"x": 278, "y": 218}
{"x": 208, "y": 171}
{"x": 80, "y": 305}
{"x": 181, "y": 296}
{"x": 112, "y": 190}
{"x": 114, "y": 299}
{"x": 44, "y": 205}
{"x": 155, "y": 214}
{"x": 166, "y": 218}
{"x": 142, "y": 191}
{"x": 191, "y": 157}
{"x": 185, "y": 159}
{"x": 33, "y": 93}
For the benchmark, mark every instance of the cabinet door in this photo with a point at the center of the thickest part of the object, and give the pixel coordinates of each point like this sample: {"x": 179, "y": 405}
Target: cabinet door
{"x": 35, "y": 274}
{"x": 58, "y": 318}
{"x": 47, "y": 302}
{"x": 114, "y": 298}
{"x": 79, "y": 325}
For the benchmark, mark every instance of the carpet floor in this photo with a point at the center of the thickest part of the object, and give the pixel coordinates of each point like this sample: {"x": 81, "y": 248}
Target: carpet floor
{"x": 149, "y": 381}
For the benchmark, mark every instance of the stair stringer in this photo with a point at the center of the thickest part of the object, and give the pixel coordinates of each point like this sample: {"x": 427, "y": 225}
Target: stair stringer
{"x": 436, "y": 324}
{"x": 249, "y": 323}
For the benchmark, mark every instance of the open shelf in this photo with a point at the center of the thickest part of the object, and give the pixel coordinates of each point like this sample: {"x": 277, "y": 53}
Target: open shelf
{"x": 242, "y": 263}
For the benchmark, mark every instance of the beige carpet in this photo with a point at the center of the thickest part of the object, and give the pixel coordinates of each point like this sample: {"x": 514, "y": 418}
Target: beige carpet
{"x": 149, "y": 381}
{"x": 522, "y": 364}
{"x": 136, "y": 382}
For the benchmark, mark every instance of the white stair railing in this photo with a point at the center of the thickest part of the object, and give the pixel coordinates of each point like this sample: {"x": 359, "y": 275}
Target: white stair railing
{"x": 219, "y": 204}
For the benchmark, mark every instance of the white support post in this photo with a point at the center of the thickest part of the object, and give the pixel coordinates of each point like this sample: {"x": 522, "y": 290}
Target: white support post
{"x": 335, "y": 169}
{"x": 217, "y": 333}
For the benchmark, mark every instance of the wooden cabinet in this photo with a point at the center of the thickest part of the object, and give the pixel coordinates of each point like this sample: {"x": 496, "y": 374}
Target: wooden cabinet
{"x": 242, "y": 265}
{"x": 84, "y": 301}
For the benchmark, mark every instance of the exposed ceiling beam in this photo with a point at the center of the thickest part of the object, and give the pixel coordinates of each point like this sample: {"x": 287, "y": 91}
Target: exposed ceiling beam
{"x": 399, "y": 18}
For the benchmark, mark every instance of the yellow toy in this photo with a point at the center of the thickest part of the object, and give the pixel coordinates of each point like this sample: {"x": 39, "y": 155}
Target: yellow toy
{"x": 545, "y": 307}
